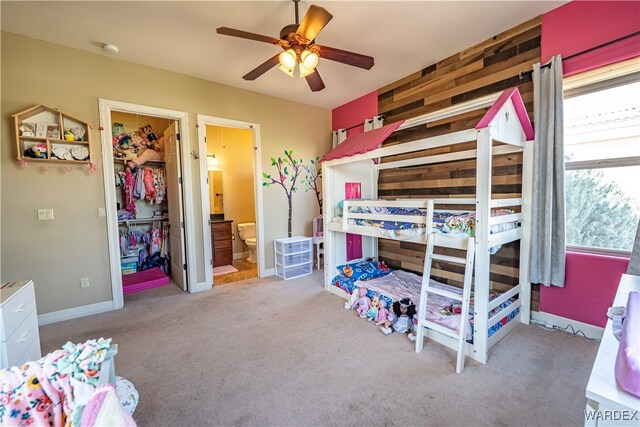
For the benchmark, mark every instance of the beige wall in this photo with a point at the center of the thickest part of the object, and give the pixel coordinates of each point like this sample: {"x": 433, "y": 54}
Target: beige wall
{"x": 234, "y": 150}
{"x": 57, "y": 253}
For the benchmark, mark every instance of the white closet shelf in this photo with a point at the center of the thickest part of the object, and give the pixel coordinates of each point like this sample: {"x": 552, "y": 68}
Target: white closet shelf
{"x": 142, "y": 220}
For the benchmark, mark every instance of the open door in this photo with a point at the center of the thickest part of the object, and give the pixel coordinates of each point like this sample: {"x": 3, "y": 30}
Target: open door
{"x": 174, "y": 200}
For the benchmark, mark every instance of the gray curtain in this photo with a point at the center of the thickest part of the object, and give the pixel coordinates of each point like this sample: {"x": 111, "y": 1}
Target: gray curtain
{"x": 634, "y": 262}
{"x": 548, "y": 214}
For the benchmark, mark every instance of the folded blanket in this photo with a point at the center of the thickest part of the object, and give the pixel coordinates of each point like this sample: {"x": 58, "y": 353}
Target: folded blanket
{"x": 54, "y": 389}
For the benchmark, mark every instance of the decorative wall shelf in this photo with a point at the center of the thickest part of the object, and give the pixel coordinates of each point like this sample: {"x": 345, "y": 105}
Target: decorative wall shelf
{"x": 40, "y": 136}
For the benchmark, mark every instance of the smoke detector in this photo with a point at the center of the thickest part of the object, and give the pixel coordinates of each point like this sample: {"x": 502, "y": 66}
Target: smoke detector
{"x": 110, "y": 48}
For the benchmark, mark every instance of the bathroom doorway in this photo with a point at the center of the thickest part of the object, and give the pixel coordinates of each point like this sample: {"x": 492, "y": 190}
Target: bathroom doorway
{"x": 230, "y": 197}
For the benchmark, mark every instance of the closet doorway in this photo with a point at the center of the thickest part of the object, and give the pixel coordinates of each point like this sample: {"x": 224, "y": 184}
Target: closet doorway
{"x": 149, "y": 216}
{"x": 230, "y": 172}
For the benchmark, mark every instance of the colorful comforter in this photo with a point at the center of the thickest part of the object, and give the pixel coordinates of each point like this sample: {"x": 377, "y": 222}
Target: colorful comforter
{"x": 441, "y": 310}
{"x": 54, "y": 389}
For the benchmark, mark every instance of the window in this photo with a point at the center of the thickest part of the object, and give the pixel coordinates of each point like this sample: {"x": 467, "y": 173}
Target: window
{"x": 602, "y": 152}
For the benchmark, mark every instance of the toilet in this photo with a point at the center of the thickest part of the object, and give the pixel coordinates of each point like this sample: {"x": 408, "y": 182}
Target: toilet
{"x": 247, "y": 233}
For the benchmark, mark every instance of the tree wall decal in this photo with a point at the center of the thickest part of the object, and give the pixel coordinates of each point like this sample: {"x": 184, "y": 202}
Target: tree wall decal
{"x": 289, "y": 170}
{"x": 310, "y": 181}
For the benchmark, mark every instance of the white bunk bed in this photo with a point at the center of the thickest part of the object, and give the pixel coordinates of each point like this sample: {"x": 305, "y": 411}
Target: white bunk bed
{"x": 506, "y": 125}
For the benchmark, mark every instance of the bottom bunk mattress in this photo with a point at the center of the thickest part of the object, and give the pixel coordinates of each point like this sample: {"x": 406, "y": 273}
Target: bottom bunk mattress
{"x": 441, "y": 310}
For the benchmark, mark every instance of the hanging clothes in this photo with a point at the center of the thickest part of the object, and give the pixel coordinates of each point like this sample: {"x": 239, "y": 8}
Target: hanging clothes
{"x": 129, "y": 182}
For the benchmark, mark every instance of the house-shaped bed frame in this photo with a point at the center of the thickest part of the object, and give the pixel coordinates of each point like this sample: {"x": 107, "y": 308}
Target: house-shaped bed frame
{"x": 505, "y": 128}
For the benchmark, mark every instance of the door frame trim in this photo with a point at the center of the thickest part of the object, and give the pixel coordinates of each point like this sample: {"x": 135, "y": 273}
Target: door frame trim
{"x": 202, "y": 121}
{"x": 106, "y": 106}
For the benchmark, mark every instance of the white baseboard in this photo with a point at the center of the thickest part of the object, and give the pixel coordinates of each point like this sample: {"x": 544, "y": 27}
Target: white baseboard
{"x": 240, "y": 255}
{"x": 589, "y": 330}
{"x": 74, "y": 313}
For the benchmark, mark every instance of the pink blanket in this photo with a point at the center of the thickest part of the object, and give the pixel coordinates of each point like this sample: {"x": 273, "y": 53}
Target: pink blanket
{"x": 628, "y": 359}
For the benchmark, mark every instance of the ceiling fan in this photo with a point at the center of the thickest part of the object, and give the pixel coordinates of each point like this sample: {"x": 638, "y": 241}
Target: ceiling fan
{"x": 297, "y": 40}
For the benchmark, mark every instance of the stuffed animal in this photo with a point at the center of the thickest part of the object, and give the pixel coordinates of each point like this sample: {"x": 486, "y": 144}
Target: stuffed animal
{"x": 117, "y": 130}
{"x": 40, "y": 151}
{"x": 148, "y": 132}
{"x": 138, "y": 139}
{"x": 362, "y": 304}
{"x": 373, "y": 310}
{"x": 382, "y": 312}
{"x": 400, "y": 317}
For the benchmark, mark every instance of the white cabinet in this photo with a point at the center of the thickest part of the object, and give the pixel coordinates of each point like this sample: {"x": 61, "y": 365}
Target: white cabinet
{"x": 293, "y": 257}
{"x": 607, "y": 403}
{"x": 19, "y": 337}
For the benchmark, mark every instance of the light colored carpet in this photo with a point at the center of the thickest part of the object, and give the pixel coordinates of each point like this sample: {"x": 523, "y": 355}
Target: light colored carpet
{"x": 288, "y": 353}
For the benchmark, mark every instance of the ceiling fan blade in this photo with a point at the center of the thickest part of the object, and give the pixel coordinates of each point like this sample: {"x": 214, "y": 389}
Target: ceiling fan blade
{"x": 346, "y": 57}
{"x": 313, "y": 22}
{"x": 262, "y": 68}
{"x": 315, "y": 81}
{"x": 246, "y": 35}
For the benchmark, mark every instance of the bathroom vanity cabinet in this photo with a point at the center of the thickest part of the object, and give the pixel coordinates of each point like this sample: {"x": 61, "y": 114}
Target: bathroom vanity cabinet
{"x": 221, "y": 243}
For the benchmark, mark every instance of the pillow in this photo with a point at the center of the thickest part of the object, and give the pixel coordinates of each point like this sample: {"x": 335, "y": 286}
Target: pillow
{"x": 364, "y": 270}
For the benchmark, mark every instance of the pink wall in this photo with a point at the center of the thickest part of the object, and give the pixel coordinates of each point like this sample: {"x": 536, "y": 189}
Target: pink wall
{"x": 580, "y": 25}
{"x": 591, "y": 284}
{"x": 591, "y": 280}
{"x": 354, "y": 112}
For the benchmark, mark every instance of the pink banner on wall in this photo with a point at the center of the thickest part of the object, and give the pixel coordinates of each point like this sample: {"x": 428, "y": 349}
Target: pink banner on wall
{"x": 352, "y": 190}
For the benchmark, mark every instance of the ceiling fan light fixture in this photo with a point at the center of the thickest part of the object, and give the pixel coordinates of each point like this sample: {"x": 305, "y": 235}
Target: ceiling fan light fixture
{"x": 288, "y": 59}
{"x": 304, "y": 71}
{"x": 309, "y": 59}
{"x": 287, "y": 71}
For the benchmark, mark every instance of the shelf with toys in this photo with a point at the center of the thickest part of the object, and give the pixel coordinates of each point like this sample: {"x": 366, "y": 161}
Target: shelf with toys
{"x": 43, "y": 134}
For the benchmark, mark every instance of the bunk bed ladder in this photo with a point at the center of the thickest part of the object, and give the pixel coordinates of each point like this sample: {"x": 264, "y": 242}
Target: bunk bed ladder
{"x": 427, "y": 289}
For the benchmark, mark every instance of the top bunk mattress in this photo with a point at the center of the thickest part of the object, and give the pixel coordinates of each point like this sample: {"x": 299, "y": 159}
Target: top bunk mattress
{"x": 453, "y": 224}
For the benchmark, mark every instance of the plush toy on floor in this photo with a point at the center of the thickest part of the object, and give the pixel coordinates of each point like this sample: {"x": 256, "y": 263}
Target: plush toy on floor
{"x": 400, "y": 318}
{"x": 362, "y": 304}
{"x": 382, "y": 312}
{"x": 373, "y": 310}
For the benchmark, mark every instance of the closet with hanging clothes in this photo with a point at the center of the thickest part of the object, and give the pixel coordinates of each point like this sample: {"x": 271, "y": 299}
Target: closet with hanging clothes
{"x": 146, "y": 168}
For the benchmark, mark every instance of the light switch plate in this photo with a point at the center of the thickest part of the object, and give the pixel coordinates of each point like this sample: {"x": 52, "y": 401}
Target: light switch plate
{"x": 102, "y": 212}
{"x": 45, "y": 214}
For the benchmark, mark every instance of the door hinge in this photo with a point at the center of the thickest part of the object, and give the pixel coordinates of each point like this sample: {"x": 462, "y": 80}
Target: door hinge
{"x": 180, "y": 180}
{"x": 205, "y": 139}
{"x": 207, "y": 181}
{"x": 209, "y": 222}
{"x": 211, "y": 261}
{"x": 178, "y": 136}
{"x": 181, "y": 224}
{"x": 184, "y": 266}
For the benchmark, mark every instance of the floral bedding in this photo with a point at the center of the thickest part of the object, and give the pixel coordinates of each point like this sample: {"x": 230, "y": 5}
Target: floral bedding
{"x": 441, "y": 310}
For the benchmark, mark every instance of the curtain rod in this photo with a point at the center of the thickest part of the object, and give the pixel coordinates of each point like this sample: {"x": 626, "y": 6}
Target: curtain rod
{"x": 360, "y": 124}
{"x": 522, "y": 74}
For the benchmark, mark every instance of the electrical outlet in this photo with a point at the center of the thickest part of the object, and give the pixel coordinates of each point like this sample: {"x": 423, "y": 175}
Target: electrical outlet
{"x": 84, "y": 282}
{"x": 102, "y": 212}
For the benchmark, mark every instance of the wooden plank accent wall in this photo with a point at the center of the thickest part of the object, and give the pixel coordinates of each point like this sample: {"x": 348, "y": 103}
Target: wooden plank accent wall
{"x": 488, "y": 67}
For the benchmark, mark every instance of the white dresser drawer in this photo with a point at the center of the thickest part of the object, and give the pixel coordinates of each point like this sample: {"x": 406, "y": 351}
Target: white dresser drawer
{"x": 19, "y": 341}
{"x": 32, "y": 353}
{"x": 16, "y": 310}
